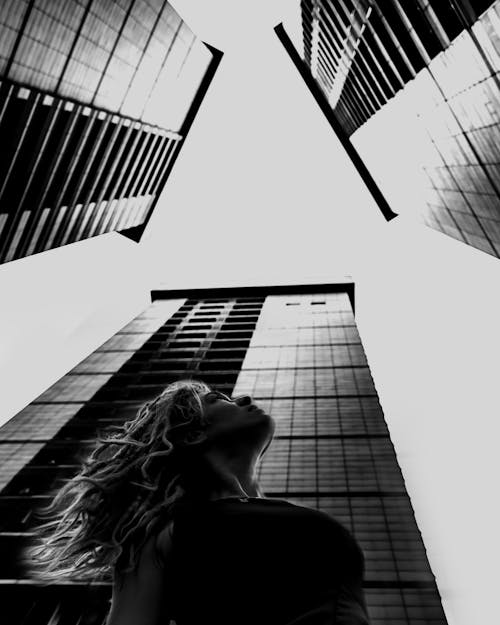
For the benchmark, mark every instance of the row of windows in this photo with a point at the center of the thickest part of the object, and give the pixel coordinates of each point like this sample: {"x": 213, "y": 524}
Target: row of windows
{"x": 301, "y": 338}
{"x": 351, "y": 355}
{"x": 292, "y": 454}
{"x": 315, "y": 416}
{"x": 468, "y": 224}
{"x": 326, "y": 416}
{"x": 457, "y": 225}
{"x": 265, "y": 383}
{"x": 235, "y": 321}
{"x": 38, "y": 421}
{"x": 223, "y": 359}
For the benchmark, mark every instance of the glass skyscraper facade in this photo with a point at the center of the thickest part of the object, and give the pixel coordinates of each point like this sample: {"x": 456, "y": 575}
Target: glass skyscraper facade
{"x": 96, "y": 97}
{"x": 297, "y": 351}
{"x": 415, "y": 86}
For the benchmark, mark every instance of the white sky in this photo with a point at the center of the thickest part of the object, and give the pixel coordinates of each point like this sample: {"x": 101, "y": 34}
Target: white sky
{"x": 262, "y": 192}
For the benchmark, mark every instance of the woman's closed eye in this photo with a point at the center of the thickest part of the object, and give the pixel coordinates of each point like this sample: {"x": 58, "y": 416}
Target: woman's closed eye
{"x": 213, "y": 396}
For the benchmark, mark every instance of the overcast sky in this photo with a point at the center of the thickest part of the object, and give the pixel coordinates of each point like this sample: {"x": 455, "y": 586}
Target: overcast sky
{"x": 263, "y": 193}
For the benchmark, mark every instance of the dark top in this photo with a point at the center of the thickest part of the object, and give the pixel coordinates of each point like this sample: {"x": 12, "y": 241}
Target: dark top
{"x": 263, "y": 561}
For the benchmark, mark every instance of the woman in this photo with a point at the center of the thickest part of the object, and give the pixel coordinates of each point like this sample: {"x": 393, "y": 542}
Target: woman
{"x": 170, "y": 506}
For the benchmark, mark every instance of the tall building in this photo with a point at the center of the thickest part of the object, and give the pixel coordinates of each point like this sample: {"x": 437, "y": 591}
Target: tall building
{"x": 96, "y": 98}
{"x": 297, "y": 351}
{"x": 414, "y": 88}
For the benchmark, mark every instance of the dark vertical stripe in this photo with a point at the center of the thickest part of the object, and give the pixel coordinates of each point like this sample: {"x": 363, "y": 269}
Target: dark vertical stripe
{"x": 108, "y": 61}
{"x": 337, "y": 128}
{"x": 73, "y": 45}
{"x": 19, "y": 36}
{"x": 50, "y": 174}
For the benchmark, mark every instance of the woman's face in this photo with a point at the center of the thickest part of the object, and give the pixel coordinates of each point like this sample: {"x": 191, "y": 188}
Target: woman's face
{"x": 237, "y": 419}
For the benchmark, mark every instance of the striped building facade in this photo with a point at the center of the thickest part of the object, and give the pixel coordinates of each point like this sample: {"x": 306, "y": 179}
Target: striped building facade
{"x": 96, "y": 97}
{"x": 297, "y": 351}
{"x": 416, "y": 88}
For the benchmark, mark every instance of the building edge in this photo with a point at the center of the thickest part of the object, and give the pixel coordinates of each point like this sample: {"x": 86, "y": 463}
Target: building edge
{"x": 318, "y": 95}
{"x": 242, "y": 291}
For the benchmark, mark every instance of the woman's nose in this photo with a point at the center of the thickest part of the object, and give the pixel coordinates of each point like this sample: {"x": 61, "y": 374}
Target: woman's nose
{"x": 243, "y": 400}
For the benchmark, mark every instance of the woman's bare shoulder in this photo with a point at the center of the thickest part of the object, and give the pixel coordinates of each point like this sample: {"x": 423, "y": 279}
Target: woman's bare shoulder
{"x": 140, "y": 596}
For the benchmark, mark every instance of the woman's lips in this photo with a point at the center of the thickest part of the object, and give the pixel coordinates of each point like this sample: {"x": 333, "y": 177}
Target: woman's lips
{"x": 254, "y": 408}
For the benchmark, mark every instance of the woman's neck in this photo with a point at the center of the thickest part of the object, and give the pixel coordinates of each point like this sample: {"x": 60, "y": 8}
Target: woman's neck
{"x": 232, "y": 478}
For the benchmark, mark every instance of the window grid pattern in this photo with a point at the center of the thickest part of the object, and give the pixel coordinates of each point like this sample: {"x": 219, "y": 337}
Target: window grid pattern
{"x": 117, "y": 55}
{"x": 12, "y": 13}
{"x": 74, "y": 388}
{"x": 13, "y": 457}
{"x": 318, "y": 319}
{"x": 45, "y": 43}
{"x": 389, "y": 545}
{"x": 463, "y": 193}
{"x": 330, "y": 465}
{"x": 326, "y": 416}
{"x": 332, "y": 449}
{"x": 283, "y": 357}
{"x": 307, "y": 336}
{"x": 103, "y": 362}
{"x": 433, "y": 64}
{"x": 303, "y": 382}
{"x": 88, "y": 136}
{"x": 38, "y": 421}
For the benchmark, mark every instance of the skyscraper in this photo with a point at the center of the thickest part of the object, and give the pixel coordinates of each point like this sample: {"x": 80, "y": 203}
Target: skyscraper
{"x": 414, "y": 87}
{"x": 96, "y": 98}
{"x": 297, "y": 351}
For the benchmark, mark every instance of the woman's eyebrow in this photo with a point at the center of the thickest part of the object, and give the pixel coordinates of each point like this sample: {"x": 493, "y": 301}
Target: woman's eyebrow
{"x": 217, "y": 394}
{"x": 223, "y": 395}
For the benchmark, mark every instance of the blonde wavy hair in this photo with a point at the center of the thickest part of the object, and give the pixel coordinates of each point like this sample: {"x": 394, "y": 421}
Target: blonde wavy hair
{"x": 101, "y": 518}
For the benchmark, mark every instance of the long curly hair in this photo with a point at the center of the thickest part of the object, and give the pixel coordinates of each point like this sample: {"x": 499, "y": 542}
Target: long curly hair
{"x": 101, "y": 518}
